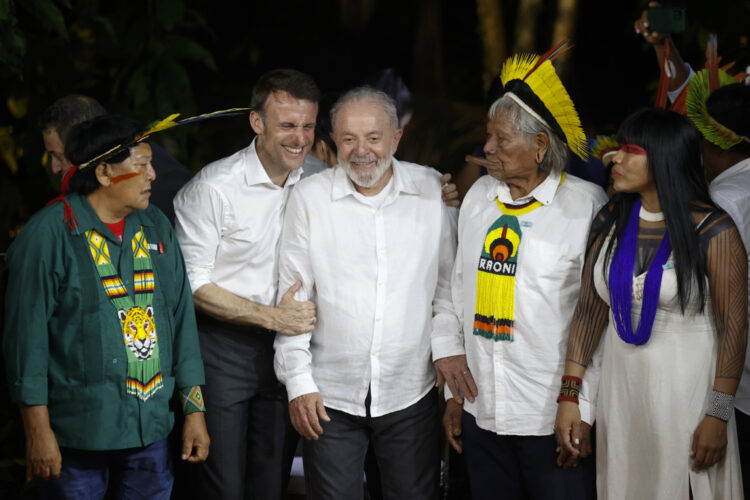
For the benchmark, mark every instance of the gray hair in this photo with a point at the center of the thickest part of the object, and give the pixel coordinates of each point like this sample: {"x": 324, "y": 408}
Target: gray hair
{"x": 557, "y": 153}
{"x": 367, "y": 93}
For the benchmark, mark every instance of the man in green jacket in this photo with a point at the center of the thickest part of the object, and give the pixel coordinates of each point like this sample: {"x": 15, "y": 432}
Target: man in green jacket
{"x": 100, "y": 328}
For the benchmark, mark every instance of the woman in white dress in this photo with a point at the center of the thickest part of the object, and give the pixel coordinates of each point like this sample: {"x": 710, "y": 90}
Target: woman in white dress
{"x": 669, "y": 272}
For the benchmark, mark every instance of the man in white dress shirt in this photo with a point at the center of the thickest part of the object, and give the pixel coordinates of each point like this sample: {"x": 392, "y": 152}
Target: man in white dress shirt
{"x": 522, "y": 235}
{"x": 229, "y": 219}
{"x": 373, "y": 245}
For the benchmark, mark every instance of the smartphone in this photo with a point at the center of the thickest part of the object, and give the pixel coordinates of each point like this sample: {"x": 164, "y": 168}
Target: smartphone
{"x": 666, "y": 19}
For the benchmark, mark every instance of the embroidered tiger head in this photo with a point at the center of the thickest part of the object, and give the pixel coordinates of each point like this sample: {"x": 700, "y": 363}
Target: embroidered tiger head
{"x": 139, "y": 330}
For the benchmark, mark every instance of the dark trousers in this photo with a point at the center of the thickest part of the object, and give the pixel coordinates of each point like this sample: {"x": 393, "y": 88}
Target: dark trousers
{"x": 252, "y": 440}
{"x": 133, "y": 473}
{"x": 521, "y": 467}
{"x": 743, "y": 440}
{"x": 406, "y": 445}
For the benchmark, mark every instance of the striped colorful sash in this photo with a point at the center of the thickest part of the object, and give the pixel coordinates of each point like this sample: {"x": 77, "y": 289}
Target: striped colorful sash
{"x": 136, "y": 316}
{"x": 494, "y": 310}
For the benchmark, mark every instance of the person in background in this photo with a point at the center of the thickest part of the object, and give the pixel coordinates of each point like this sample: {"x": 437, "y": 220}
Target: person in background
{"x": 322, "y": 155}
{"x": 722, "y": 119}
{"x": 60, "y": 117}
{"x": 390, "y": 82}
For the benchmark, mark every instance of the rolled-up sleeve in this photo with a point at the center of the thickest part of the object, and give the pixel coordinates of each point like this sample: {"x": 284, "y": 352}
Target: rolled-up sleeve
{"x": 29, "y": 304}
{"x": 200, "y": 212}
{"x": 451, "y": 343}
{"x": 446, "y": 329}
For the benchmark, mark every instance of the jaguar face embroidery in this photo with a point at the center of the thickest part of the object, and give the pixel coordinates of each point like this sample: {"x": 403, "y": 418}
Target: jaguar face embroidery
{"x": 139, "y": 330}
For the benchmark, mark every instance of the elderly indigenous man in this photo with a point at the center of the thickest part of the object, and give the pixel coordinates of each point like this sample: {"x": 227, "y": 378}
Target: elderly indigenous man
{"x": 229, "y": 219}
{"x": 522, "y": 235}
{"x": 373, "y": 245}
{"x": 100, "y": 328}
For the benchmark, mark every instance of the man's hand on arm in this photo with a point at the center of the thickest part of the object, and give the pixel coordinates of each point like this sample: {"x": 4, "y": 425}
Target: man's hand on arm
{"x": 454, "y": 370}
{"x": 43, "y": 458}
{"x": 305, "y": 412}
{"x": 294, "y": 317}
{"x": 450, "y": 191}
{"x": 195, "y": 440}
{"x": 290, "y": 317}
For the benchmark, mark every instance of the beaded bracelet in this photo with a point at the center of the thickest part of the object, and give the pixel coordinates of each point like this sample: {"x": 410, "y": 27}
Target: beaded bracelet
{"x": 192, "y": 400}
{"x": 720, "y": 405}
{"x": 570, "y": 389}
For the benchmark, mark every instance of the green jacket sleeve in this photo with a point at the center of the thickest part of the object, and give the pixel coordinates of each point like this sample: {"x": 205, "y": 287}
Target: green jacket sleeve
{"x": 34, "y": 271}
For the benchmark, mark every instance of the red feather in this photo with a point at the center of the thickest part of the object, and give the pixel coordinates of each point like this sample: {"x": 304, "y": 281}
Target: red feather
{"x": 680, "y": 103}
{"x": 661, "y": 93}
{"x": 551, "y": 53}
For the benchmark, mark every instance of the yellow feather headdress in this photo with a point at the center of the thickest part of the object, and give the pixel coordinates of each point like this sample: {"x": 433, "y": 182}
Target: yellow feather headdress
{"x": 603, "y": 146}
{"x": 167, "y": 123}
{"x": 531, "y": 81}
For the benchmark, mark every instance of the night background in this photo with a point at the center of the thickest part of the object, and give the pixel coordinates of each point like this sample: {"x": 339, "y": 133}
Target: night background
{"x": 151, "y": 58}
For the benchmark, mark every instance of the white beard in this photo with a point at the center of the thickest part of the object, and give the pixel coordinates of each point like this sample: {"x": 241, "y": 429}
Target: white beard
{"x": 371, "y": 177}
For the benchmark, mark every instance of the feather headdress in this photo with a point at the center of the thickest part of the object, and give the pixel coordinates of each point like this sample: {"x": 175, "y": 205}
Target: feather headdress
{"x": 531, "y": 81}
{"x": 603, "y": 146}
{"x": 712, "y": 66}
{"x": 167, "y": 123}
{"x": 698, "y": 93}
{"x": 701, "y": 86}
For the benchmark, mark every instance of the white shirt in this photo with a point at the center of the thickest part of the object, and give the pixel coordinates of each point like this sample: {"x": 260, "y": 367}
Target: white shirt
{"x": 518, "y": 382}
{"x": 380, "y": 278}
{"x": 228, "y": 222}
{"x": 730, "y": 190}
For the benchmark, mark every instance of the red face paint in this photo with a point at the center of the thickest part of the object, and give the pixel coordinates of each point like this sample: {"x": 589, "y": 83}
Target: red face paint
{"x": 632, "y": 149}
{"x": 125, "y": 177}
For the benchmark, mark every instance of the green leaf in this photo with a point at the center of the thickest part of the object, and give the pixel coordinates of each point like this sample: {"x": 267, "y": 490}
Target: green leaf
{"x": 170, "y": 13}
{"x": 6, "y": 9}
{"x": 195, "y": 22}
{"x": 12, "y": 49}
{"x": 138, "y": 88}
{"x": 173, "y": 89}
{"x": 47, "y": 13}
{"x": 105, "y": 25}
{"x": 185, "y": 49}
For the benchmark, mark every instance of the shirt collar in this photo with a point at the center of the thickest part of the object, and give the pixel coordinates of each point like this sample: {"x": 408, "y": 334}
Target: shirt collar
{"x": 255, "y": 173}
{"x": 734, "y": 169}
{"x": 544, "y": 192}
{"x": 88, "y": 219}
{"x": 403, "y": 182}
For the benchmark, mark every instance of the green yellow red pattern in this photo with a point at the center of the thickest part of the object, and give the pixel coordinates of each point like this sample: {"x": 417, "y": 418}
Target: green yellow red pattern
{"x": 144, "y": 376}
{"x": 494, "y": 310}
{"x": 192, "y": 400}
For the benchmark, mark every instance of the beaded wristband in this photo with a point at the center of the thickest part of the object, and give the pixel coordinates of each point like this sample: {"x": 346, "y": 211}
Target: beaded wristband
{"x": 192, "y": 400}
{"x": 720, "y": 405}
{"x": 569, "y": 389}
